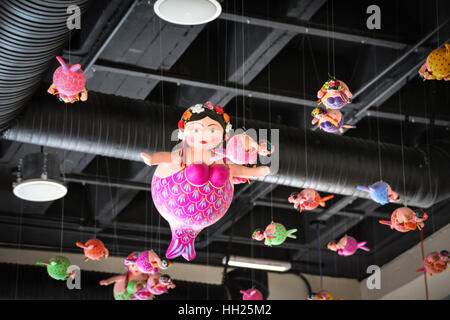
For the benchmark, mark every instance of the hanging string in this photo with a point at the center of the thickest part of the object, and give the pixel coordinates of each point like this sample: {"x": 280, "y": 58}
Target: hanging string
{"x": 377, "y": 117}
{"x": 332, "y": 40}
{"x": 163, "y": 126}
{"x": 304, "y": 108}
{"x": 319, "y": 254}
{"x": 114, "y": 209}
{"x": 423, "y": 258}
{"x": 19, "y": 244}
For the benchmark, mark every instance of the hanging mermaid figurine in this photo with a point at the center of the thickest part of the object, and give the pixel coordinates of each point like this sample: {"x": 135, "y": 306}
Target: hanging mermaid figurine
{"x": 127, "y": 285}
{"x": 251, "y": 294}
{"x": 404, "y": 219}
{"x": 334, "y": 94}
{"x": 380, "y": 192}
{"x": 435, "y": 262}
{"x": 189, "y": 190}
{"x": 274, "y": 235}
{"x": 321, "y": 295}
{"x": 437, "y": 65}
{"x": 308, "y": 199}
{"x": 68, "y": 83}
{"x": 347, "y": 246}
{"x": 329, "y": 120}
{"x": 242, "y": 149}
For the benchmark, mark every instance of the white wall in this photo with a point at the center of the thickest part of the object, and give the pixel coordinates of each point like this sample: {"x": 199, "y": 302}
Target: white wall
{"x": 399, "y": 279}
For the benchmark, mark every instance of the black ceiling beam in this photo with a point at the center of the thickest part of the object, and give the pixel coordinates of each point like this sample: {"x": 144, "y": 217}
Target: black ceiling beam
{"x": 313, "y": 31}
{"x": 407, "y": 118}
{"x": 135, "y": 71}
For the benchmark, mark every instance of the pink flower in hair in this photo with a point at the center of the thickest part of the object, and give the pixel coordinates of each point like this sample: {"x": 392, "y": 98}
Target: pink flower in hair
{"x": 209, "y": 105}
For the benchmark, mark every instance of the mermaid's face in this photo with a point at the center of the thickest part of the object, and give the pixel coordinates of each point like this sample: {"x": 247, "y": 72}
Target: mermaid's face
{"x": 133, "y": 268}
{"x": 205, "y": 133}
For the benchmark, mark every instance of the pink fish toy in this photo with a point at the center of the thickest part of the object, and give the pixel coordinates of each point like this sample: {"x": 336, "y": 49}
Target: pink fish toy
{"x": 404, "y": 219}
{"x": 308, "y": 199}
{"x": 251, "y": 294}
{"x": 68, "y": 83}
{"x": 149, "y": 262}
{"x": 334, "y": 94}
{"x": 435, "y": 263}
{"x": 347, "y": 246}
{"x": 94, "y": 249}
{"x": 189, "y": 190}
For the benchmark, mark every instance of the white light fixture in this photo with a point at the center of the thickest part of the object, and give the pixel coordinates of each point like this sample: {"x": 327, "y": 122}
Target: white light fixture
{"x": 38, "y": 178}
{"x": 40, "y": 190}
{"x": 254, "y": 263}
{"x": 187, "y": 12}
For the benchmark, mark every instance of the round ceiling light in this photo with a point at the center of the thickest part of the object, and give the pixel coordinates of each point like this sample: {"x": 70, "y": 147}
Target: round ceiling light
{"x": 187, "y": 12}
{"x": 40, "y": 190}
{"x": 39, "y": 178}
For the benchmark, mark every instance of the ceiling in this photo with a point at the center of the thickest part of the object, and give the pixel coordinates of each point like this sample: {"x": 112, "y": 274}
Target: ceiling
{"x": 261, "y": 60}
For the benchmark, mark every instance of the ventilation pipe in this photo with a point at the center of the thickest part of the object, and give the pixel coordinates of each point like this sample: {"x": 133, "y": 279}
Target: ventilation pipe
{"x": 120, "y": 127}
{"x": 32, "y": 33}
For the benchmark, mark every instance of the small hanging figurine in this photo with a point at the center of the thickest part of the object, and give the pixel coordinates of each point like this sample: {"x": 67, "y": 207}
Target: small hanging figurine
{"x": 435, "y": 263}
{"x": 158, "y": 284}
{"x": 347, "y": 246}
{"x": 334, "y": 94}
{"x": 127, "y": 285}
{"x": 94, "y": 249}
{"x": 242, "y": 149}
{"x": 380, "y": 192}
{"x": 68, "y": 83}
{"x": 404, "y": 219}
{"x": 437, "y": 65}
{"x": 251, "y": 294}
{"x": 329, "y": 120}
{"x": 321, "y": 295}
{"x": 308, "y": 199}
{"x": 190, "y": 190}
{"x": 274, "y": 235}
{"x": 149, "y": 262}
{"x": 57, "y": 268}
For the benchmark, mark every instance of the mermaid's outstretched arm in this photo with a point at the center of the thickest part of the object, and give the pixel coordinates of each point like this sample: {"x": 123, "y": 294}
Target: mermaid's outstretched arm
{"x": 111, "y": 280}
{"x": 157, "y": 158}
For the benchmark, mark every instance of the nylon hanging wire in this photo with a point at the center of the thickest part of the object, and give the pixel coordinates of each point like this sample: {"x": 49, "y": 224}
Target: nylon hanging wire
{"x": 332, "y": 40}
{"x": 163, "y": 124}
{"x": 423, "y": 258}
{"x": 19, "y": 244}
{"x": 114, "y": 213}
{"x": 319, "y": 255}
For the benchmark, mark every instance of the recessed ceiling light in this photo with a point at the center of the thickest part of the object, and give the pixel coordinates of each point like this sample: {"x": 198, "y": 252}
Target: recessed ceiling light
{"x": 40, "y": 190}
{"x": 187, "y": 12}
{"x": 254, "y": 263}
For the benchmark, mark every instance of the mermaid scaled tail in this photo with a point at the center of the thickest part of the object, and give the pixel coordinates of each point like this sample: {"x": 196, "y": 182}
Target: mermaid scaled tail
{"x": 290, "y": 233}
{"x": 362, "y": 245}
{"x": 182, "y": 244}
{"x": 347, "y": 126}
{"x": 322, "y": 200}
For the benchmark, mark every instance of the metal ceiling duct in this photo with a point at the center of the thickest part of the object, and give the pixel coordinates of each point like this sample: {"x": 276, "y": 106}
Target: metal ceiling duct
{"x": 32, "y": 33}
{"x": 120, "y": 127}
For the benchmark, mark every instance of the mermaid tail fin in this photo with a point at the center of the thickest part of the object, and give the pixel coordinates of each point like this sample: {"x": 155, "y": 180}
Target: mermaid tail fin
{"x": 290, "y": 233}
{"x": 80, "y": 245}
{"x": 361, "y": 245}
{"x": 388, "y": 223}
{"x": 322, "y": 200}
{"x": 363, "y": 188}
{"x": 420, "y": 270}
{"x": 181, "y": 244}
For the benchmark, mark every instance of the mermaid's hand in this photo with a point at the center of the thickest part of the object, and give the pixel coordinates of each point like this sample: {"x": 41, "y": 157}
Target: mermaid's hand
{"x": 147, "y": 158}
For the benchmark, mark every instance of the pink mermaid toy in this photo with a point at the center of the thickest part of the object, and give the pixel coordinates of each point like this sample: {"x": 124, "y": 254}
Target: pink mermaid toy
{"x": 190, "y": 190}
{"x": 347, "y": 246}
